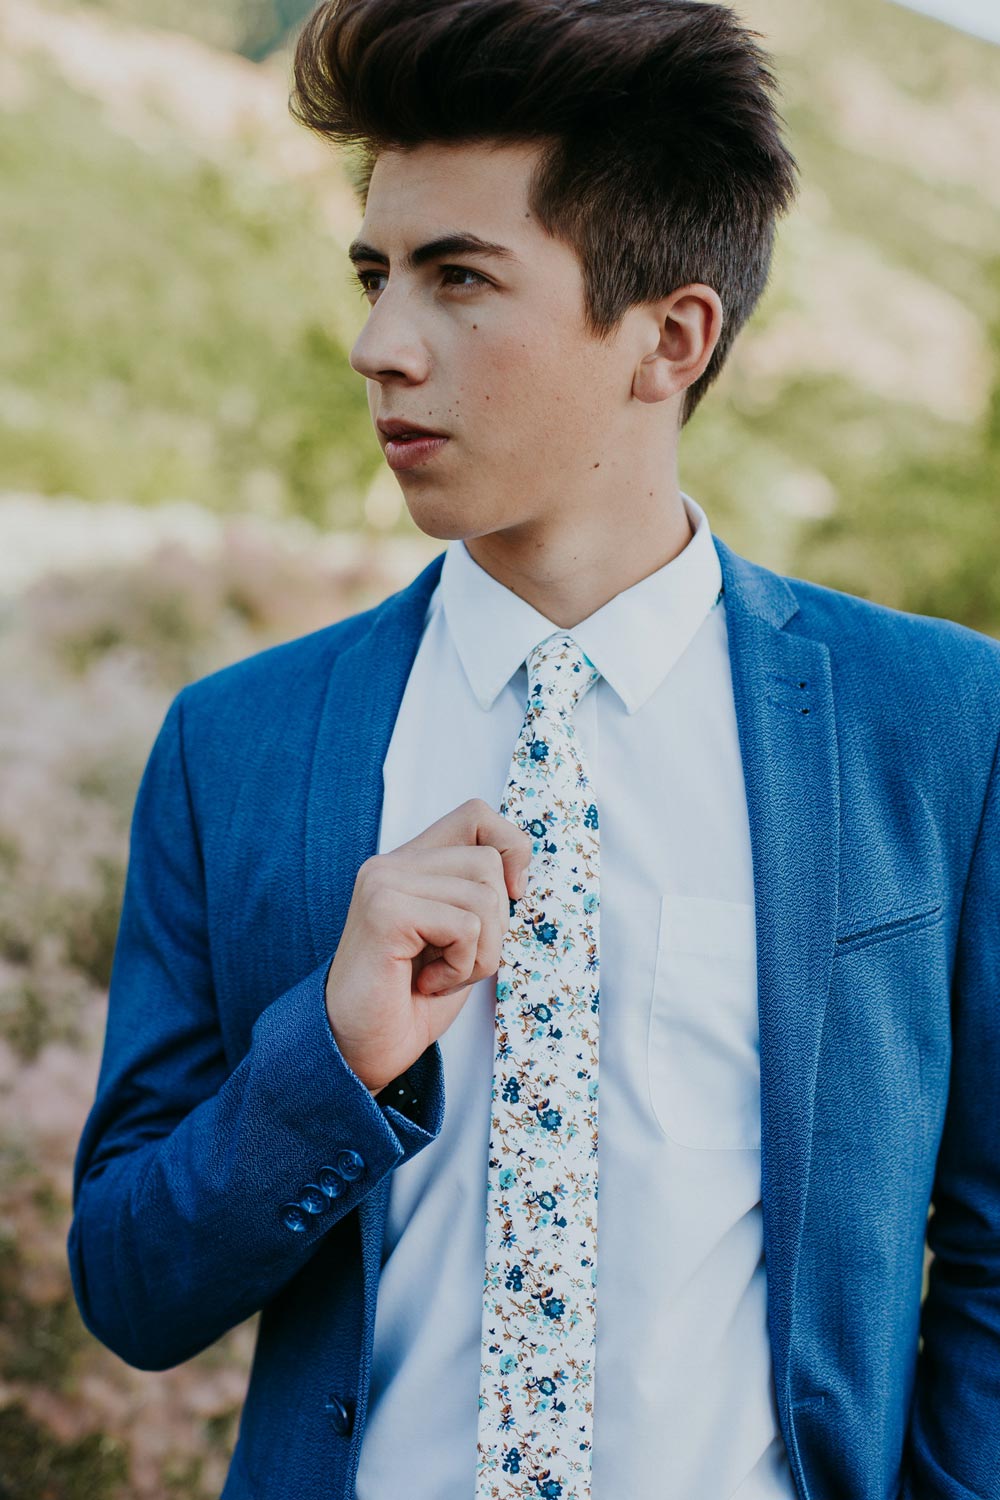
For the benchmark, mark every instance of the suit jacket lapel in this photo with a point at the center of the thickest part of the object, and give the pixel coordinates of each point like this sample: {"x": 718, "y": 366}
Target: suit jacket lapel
{"x": 785, "y": 717}
{"x": 359, "y": 711}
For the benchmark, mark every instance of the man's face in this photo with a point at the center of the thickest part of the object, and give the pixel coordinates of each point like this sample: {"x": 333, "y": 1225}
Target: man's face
{"x": 490, "y": 349}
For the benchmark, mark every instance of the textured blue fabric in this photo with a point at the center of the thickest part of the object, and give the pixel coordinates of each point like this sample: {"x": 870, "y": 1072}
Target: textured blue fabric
{"x": 869, "y": 740}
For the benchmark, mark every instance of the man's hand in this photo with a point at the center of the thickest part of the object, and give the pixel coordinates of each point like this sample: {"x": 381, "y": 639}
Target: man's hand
{"x": 425, "y": 923}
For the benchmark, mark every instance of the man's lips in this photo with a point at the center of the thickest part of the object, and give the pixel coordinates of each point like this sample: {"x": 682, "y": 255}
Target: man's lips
{"x": 406, "y": 453}
{"x": 396, "y": 429}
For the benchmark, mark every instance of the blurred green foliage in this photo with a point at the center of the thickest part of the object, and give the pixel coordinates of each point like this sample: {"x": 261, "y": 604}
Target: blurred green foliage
{"x": 33, "y": 1463}
{"x": 167, "y": 325}
{"x": 926, "y": 537}
{"x": 913, "y": 520}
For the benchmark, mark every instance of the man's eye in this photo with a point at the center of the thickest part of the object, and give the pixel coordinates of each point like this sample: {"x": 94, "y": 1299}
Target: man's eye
{"x": 365, "y": 287}
{"x": 465, "y": 271}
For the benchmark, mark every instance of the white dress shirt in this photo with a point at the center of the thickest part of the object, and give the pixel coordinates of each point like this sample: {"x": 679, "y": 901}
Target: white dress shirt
{"x": 684, "y": 1404}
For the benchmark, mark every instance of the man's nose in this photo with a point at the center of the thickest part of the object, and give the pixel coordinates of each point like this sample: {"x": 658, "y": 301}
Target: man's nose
{"x": 389, "y": 342}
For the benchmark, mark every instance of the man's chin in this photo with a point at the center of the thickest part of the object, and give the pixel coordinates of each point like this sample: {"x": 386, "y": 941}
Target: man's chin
{"x": 442, "y": 517}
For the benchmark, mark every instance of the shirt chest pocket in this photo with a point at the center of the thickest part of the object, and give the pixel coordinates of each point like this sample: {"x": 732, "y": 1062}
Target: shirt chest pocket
{"x": 703, "y": 1045}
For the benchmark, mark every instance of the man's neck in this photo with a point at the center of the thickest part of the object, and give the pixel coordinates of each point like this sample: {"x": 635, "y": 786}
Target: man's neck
{"x": 569, "y": 575}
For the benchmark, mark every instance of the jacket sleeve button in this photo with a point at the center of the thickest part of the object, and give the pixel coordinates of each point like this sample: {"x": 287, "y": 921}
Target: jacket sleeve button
{"x": 293, "y": 1216}
{"x": 330, "y": 1181}
{"x": 313, "y": 1199}
{"x": 350, "y": 1165}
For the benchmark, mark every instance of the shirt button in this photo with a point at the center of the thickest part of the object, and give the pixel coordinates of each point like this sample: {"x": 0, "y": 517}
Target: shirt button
{"x": 293, "y": 1216}
{"x": 313, "y": 1199}
{"x": 330, "y": 1181}
{"x": 339, "y": 1416}
{"x": 350, "y": 1165}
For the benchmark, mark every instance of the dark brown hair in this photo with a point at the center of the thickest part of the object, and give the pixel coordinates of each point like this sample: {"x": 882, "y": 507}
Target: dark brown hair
{"x": 662, "y": 161}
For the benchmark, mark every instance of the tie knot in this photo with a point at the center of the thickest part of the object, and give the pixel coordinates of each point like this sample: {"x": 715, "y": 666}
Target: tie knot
{"x": 559, "y": 674}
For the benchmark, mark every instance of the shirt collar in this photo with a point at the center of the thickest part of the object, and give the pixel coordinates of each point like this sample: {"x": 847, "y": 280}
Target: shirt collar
{"x": 633, "y": 640}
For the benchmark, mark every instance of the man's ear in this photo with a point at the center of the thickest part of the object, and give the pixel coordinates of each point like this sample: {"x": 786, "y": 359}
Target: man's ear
{"x": 686, "y": 329}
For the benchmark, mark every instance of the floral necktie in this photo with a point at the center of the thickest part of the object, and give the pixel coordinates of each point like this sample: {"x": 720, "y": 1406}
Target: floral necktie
{"x": 539, "y": 1299}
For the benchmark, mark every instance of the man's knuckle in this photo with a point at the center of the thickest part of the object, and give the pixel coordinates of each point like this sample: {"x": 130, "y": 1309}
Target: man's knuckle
{"x": 380, "y": 899}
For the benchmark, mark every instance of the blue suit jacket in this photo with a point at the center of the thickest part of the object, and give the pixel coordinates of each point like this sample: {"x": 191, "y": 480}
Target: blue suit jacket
{"x": 232, "y": 1161}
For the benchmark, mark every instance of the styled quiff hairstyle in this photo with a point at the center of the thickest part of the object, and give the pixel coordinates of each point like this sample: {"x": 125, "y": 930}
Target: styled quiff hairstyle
{"x": 661, "y": 158}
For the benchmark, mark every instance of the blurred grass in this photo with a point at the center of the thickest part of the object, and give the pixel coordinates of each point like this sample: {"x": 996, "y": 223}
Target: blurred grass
{"x": 167, "y": 325}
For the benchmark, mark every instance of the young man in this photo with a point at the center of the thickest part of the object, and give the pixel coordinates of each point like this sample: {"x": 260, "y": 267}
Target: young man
{"x": 593, "y": 798}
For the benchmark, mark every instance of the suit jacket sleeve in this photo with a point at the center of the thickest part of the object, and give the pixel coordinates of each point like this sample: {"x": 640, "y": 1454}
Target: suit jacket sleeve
{"x": 186, "y": 1165}
{"x": 954, "y": 1439}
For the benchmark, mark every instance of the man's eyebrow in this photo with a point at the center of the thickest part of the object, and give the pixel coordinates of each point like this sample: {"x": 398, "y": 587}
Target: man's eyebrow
{"x": 447, "y": 244}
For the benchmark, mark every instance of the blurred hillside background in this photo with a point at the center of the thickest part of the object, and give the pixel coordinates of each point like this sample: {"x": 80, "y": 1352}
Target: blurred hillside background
{"x": 188, "y": 473}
